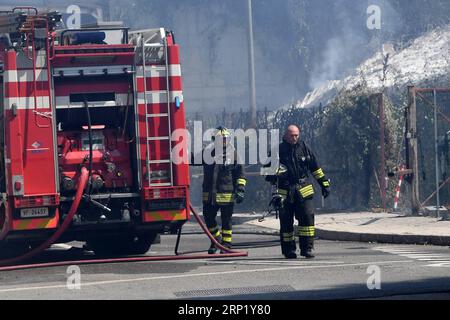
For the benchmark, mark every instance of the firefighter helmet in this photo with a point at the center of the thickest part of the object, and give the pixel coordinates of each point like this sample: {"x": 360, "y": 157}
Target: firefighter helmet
{"x": 221, "y": 132}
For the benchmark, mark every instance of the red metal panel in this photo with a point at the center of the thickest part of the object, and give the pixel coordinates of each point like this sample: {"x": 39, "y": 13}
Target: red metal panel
{"x": 158, "y": 127}
{"x": 91, "y": 47}
{"x": 26, "y": 89}
{"x": 175, "y": 84}
{"x": 29, "y": 135}
{"x": 64, "y": 61}
{"x": 93, "y": 55}
{"x": 65, "y": 87}
{"x": 160, "y": 83}
{"x": 39, "y": 159}
{"x": 13, "y": 129}
{"x": 159, "y": 150}
{"x": 157, "y": 108}
{"x": 181, "y": 171}
{"x": 166, "y": 193}
{"x": 174, "y": 54}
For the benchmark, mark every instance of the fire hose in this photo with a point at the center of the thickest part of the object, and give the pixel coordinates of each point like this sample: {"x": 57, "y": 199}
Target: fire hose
{"x": 85, "y": 181}
{"x": 6, "y": 265}
{"x": 73, "y": 210}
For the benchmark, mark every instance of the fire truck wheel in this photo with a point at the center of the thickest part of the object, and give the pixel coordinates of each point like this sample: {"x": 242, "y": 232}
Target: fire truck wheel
{"x": 122, "y": 245}
{"x": 12, "y": 250}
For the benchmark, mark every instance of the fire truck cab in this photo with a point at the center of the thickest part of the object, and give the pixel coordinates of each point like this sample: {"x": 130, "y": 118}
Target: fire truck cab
{"x": 102, "y": 98}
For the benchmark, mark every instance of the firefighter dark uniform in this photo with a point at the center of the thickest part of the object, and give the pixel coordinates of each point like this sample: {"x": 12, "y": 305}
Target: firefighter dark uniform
{"x": 223, "y": 185}
{"x": 297, "y": 193}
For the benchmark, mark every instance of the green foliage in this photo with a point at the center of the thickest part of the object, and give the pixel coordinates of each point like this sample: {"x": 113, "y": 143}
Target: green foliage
{"x": 345, "y": 135}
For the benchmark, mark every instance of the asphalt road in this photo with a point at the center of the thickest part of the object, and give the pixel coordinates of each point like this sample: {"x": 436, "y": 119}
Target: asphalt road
{"x": 341, "y": 270}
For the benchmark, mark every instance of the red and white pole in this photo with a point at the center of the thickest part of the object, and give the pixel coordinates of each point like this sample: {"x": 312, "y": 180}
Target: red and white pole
{"x": 399, "y": 186}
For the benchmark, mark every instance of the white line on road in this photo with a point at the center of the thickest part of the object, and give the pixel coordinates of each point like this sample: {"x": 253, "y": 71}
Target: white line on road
{"x": 17, "y": 289}
{"x": 435, "y": 259}
{"x": 280, "y": 262}
{"x": 439, "y": 264}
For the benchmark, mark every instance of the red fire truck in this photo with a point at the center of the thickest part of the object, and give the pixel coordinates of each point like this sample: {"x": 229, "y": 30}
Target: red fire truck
{"x": 100, "y": 101}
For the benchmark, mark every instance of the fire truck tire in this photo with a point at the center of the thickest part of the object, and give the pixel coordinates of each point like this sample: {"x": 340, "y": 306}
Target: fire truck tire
{"x": 122, "y": 245}
{"x": 11, "y": 250}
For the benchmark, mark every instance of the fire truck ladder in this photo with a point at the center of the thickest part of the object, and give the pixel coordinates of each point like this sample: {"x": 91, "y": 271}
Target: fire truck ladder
{"x": 44, "y": 26}
{"x": 166, "y": 116}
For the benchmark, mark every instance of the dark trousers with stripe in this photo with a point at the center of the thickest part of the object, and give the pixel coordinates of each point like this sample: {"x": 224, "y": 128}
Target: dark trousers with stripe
{"x": 226, "y": 212}
{"x": 303, "y": 211}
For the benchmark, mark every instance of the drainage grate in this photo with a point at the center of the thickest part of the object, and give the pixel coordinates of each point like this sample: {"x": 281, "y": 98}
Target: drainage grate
{"x": 233, "y": 291}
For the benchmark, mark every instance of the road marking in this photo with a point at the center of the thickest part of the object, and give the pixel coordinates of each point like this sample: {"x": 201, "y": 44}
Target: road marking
{"x": 221, "y": 273}
{"x": 280, "y": 262}
{"x": 436, "y": 259}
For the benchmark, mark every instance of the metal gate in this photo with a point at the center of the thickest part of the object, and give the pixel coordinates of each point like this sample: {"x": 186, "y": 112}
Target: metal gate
{"x": 428, "y": 135}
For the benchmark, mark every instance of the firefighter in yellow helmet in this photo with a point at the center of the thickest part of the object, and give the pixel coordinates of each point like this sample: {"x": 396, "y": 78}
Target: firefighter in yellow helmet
{"x": 223, "y": 185}
{"x": 295, "y": 193}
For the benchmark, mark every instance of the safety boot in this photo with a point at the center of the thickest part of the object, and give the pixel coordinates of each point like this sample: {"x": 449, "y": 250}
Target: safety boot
{"x": 290, "y": 255}
{"x": 307, "y": 254}
{"x": 226, "y": 245}
{"x": 212, "y": 249}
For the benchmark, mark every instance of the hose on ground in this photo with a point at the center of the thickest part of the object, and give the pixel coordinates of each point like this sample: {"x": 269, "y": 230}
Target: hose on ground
{"x": 226, "y": 252}
{"x": 73, "y": 210}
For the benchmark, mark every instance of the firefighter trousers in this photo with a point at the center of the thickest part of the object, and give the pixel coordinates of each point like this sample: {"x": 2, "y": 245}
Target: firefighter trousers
{"x": 226, "y": 212}
{"x": 303, "y": 211}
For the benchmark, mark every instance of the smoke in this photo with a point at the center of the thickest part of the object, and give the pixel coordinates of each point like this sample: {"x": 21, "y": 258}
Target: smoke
{"x": 351, "y": 41}
{"x": 338, "y": 58}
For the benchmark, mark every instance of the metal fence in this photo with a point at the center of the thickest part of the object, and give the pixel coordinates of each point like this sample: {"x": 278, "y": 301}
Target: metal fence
{"x": 433, "y": 157}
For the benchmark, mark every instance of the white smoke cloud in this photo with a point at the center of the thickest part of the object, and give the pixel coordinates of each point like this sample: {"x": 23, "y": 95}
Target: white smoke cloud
{"x": 352, "y": 42}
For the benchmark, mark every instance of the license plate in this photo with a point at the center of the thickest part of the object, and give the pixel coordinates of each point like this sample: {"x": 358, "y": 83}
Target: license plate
{"x": 34, "y": 213}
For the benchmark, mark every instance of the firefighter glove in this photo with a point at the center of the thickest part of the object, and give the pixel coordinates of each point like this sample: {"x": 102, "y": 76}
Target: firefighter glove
{"x": 277, "y": 201}
{"x": 240, "y": 195}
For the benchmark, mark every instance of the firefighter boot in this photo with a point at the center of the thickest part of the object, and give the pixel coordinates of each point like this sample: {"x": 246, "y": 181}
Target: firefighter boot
{"x": 227, "y": 238}
{"x": 288, "y": 246}
{"x": 306, "y": 246}
{"x": 215, "y": 232}
{"x": 307, "y": 254}
{"x": 226, "y": 245}
{"x": 288, "y": 249}
{"x": 306, "y": 239}
{"x": 212, "y": 249}
{"x": 290, "y": 255}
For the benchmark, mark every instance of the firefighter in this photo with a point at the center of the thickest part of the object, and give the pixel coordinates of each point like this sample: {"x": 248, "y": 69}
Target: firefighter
{"x": 297, "y": 162}
{"x": 223, "y": 185}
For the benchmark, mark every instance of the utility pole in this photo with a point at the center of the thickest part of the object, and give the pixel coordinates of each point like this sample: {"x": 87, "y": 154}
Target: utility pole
{"x": 383, "y": 181}
{"x": 436, "y": 141}
{"x": 412, "y": 149}
{"x": 251, "y": 53}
